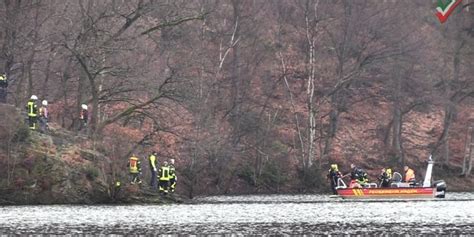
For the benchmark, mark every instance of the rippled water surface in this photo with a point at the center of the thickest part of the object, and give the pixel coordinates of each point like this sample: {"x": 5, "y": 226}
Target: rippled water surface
{"x": 242, "y": 215}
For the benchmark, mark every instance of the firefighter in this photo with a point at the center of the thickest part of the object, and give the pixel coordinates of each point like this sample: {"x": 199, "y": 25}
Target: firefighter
{"x": 358, "y": 177}
{"x": 84, "y": 116}
{"x": 32, "y": 110}
{"x": 43, "y": 116}
{"x": 135, "y": 169}
{"x": 164, "y": 178}
{"x": 173, "y": 178}
{"x": 334, "y": 176}
{"x": 153, "y": 164}
{"x": 385, "y": 178}
{"x": 3, "y": 81}
{"x": 3, "y": 88}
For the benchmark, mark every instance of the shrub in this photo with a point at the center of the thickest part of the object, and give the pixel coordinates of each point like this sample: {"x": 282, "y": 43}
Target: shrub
{"x": 274, "y": 176}
{"x": 91, "y": 172}
{"x": 246, "y": 174}
{"x": 312, "y": 178}
{"x": 21, "y": 134}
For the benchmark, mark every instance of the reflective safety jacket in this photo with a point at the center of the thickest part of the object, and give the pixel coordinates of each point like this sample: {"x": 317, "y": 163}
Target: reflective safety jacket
{"x": 389, "y": 173}
{"x": 172, "y": 172}
{"x": 164, "y": 173}
{"x": 152, "y": 159}
{"x": 134, "y": 165}
{"x": 32, "y": 108}
{"x": 409, "y": 175}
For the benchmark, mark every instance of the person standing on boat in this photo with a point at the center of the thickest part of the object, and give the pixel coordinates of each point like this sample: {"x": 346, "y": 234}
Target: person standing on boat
{"x": 353, "y": 176}
{"x": 358, "y": 177}
{"x": 363, "y": 178}
{"x": 385, "y": 178}
{"x": 334, "y": 176}
{"x": 409, "y": 175}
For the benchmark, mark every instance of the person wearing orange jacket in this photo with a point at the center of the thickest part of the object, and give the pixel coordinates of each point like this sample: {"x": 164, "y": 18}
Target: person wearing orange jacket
{"x": 409, "y": 175}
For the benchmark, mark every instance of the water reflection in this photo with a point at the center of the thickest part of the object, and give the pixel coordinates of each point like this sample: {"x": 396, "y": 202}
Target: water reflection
{"x": 266, "y": 214}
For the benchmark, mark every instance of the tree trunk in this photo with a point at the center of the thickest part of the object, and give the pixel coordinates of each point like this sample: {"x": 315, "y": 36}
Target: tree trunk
{"x": 235, "y": 90}
{"x": 9, "y": 43}
{"x": 332, "y": 129}
{"x": 397, "y": 131}
{"x": 470, "y": 161}
{"x": 310, "y": 87}
{"x": 44, "y": 89}
{"x": 450, "y": 108}
{"x": 443, "y": 141}
{"x": 79, "y": 98}
{"x": 397, "y": 118}
{"x": 467, "y": 164}
{"x": 29, "y": 73}
{"x": 293, "y": 108}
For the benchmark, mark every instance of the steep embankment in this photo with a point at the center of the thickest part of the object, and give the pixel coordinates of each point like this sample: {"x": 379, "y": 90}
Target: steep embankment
{"x": 58, "y": 168}
{"x": 363, "y": 130}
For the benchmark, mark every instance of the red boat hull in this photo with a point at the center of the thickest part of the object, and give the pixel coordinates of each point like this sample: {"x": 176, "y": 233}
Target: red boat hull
{"x": 387, "y": 193}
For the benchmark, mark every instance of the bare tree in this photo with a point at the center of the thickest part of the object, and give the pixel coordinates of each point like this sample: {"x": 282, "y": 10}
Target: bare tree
{"x": 457, "y": 86}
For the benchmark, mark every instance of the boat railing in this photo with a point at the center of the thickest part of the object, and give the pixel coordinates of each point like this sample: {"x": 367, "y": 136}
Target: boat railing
{"x": 341, "y": 184}
{"x": 401, "y": 185}
{"x": 370, "y": 185}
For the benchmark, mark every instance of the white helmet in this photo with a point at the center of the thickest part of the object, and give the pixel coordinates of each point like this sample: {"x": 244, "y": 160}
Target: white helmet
{"x": 172, "y": 161}
{"x": 34, "y": 97}
{"x": 44, "y": 102}
{"x": 84, "y": 106}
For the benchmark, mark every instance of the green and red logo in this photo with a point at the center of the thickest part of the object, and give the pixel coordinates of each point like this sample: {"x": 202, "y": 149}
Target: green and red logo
{"x": 445, "y": 8}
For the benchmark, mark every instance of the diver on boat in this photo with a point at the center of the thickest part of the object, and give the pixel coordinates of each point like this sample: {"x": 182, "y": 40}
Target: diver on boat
{"x": 385, "y": 177}
{"x": 334, "y": 175}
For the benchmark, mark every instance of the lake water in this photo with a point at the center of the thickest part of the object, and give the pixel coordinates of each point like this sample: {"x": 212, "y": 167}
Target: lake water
{"x": 247, "y": 215}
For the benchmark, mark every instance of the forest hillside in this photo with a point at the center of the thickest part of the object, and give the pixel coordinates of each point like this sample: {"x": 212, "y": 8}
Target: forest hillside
{"x": 246, "y": 96}
{"x": 60, "y": 167}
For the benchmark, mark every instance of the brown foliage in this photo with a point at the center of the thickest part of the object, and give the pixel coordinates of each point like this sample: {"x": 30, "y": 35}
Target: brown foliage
{"x": 238, "y": 90}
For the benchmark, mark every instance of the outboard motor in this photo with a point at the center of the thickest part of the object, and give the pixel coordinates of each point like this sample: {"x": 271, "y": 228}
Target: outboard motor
{"x": 440, "y": 186}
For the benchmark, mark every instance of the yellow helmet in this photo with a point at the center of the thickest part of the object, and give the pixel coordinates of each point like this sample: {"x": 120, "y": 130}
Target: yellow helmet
{"x": 334, "y": 167}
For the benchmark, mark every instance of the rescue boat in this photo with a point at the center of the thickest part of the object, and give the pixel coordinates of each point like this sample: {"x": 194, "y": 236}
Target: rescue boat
{"x": 398, "y": 189}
